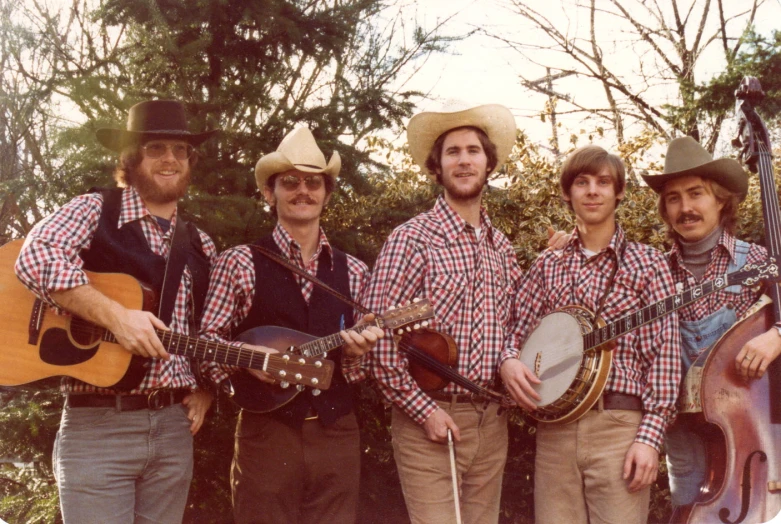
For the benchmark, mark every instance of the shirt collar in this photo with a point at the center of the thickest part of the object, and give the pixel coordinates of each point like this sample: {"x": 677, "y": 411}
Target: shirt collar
{"x": 134, "y": 208}
{"x": 726, "y": 242}
{"x": 453, "y": 225}
{"x": 616, "y": 245}
{"x": 292, "y": 249}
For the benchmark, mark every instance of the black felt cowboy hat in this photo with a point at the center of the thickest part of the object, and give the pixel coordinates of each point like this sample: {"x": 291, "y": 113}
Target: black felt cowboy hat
{"x": 152, "y": 119}
{"x": 686, "y": 157}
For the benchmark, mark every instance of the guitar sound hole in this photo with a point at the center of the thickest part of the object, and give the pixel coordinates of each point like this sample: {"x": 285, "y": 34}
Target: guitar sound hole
{"x": 85, "y": 333}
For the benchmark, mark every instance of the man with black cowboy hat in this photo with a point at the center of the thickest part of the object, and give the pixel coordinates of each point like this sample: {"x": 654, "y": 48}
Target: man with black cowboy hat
{"x": 467, "y": 268}
{"x": 127, "y": 455}
{"x": 301, "y": 462}
{"x": 698, "y": 201}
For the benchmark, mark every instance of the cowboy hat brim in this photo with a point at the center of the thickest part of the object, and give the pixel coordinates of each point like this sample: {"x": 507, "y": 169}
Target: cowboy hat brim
{"x": 117, "y": 139}
{"x": 495, "y": 120}
{"x": 725, "y": 171}
{"x": 277, "y": 162}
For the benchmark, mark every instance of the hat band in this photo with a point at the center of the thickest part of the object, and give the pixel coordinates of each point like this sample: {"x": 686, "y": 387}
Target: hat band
{"x": 309, "y": 165}
{"x": 161, "y": 131}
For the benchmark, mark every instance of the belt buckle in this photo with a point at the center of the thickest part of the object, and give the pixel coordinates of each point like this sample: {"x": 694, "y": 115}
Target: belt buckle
{"x": 155, "y": 400}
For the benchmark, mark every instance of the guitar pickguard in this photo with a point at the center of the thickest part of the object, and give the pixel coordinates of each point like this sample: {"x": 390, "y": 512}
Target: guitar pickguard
{"x": 57, "y": 349}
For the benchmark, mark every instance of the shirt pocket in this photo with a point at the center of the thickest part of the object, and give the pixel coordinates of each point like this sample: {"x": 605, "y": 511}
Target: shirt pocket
{"x": 447, "y": 296}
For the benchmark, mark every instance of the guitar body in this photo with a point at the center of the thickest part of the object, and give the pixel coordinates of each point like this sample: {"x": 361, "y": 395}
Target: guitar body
{"x": 38, "y": 344}
{"x": 250, "y": 393}
{"x": 744, "y": 445}
{"x": 571, "y": 380}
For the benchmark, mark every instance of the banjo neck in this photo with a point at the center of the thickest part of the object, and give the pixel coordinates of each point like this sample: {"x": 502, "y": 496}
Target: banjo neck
{"x": 748, "y": 275}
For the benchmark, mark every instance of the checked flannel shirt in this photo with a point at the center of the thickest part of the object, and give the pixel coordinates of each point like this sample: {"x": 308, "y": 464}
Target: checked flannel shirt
{"x": 721, "y": 256}
{"x": 647, "y": 361}
{"x": 50, "y": 262}
{"x": 470, "y": 282}
{"x": 232, "y": 288}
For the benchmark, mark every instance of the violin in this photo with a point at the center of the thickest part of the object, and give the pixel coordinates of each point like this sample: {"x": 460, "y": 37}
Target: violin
{"x": 741, "y": 419}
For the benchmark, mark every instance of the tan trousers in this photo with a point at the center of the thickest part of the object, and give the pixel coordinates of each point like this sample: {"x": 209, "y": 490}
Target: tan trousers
{"x": 579, "y": 468}
{"x": 424, "y": 466}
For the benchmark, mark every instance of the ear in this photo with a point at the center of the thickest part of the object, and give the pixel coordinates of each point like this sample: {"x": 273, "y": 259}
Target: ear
{"x": 620, "y": 196}
{"x": 565, "y": 197}
{"x": 268, "y": 194}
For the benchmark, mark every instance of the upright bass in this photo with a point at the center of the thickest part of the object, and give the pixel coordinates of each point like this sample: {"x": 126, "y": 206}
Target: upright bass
{"x": 741, "y": 419}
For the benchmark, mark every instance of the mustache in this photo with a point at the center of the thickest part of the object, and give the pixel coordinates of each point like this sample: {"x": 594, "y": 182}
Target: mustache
{"x": 688, "y": 216}
{"x": 303, "y": 199}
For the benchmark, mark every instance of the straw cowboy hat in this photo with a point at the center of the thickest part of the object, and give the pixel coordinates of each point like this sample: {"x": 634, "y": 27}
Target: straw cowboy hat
{"x": 152, "y": 119}
{"x": 298, "y": 150}
{"x": 495, "y": 120}
{"x": 686, "y": 157}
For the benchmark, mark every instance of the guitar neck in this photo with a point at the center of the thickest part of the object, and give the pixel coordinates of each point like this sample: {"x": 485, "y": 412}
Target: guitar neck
{"x": 654, "y": 311}
{"x": 201, "y": 349}
{"x": 320, "y": 346}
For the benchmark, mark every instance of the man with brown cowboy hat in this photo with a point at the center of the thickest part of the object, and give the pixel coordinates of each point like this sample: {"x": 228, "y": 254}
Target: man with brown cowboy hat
{"x": 698, "y": 201}
{"x": 125, "y": 454}
{"x": 301, "y": 462}
{"x": 468, "y": 269}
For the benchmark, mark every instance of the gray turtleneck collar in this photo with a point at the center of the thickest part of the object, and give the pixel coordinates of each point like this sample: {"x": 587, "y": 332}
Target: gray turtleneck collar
{"x": 697, "y": 255}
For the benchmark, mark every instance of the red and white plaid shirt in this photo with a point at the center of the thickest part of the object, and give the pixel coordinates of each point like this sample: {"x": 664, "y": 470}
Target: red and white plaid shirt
{"x": 721, "y": 256}
{"x": 232, "y": 289}
{"x": 470, "y": 283}
{"x": 49, "y": 262}
{"x": 647, "y": 362}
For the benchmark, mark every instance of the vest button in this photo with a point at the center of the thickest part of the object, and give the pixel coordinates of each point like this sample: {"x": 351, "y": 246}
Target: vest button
{"x": 698, "y": 338}
{"x": 730, "y": 305}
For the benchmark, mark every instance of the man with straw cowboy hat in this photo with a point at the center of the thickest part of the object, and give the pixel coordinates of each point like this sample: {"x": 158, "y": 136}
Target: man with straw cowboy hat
{"x": 125, "y": 454}
{"x": 698, "y": 201}
{"x": 467, "y": 268}
{"x": 301, "y": 462}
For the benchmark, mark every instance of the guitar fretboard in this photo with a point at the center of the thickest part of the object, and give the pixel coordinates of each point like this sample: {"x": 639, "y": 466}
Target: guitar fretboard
{"x": 320, "y": 346}
{"x": 659, "y": 309}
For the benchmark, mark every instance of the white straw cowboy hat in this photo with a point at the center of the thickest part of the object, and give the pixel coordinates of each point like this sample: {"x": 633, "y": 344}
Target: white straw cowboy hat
{"x": 149, "y": 120}
{"x": 686, "y": 157}
{"x": 298, "y": 150}
{"x": 495, "y": 120}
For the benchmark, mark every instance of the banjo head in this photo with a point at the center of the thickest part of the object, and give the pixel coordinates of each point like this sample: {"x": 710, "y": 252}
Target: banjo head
{"x": 554, "y": 352}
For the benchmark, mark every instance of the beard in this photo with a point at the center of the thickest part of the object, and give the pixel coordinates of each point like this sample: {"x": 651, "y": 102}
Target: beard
{"x": 457, "y": 192}
{"x": 151, "y": 191}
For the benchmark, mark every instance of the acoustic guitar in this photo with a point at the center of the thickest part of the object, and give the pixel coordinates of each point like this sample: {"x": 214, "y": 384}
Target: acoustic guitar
{"x": 38, "y": 343}
{"x": 259, "y": 397}
{"x": 566, "y": 351}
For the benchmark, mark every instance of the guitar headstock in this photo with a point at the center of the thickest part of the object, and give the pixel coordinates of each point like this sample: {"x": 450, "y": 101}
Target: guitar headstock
{"x": 408, "y": 317}
{"x": 750, "y": 274}
{"x": 290, "y": 368}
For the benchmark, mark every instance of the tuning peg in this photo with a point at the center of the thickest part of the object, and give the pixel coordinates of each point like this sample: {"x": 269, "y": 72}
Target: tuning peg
{"x": 318, "y": 364}
{"x": 416, "y": 300}
{"x": 409, "y": 329}
{"x": 298, "y": 377}
{"x": 400, "y": 331}
{"x": 316, "y": 392}
{"x": 285, "y": 357}
{"x": 282, "y": 373}
{"x": 314, "y": 382}
{"x": 300, "y": 387}
{"x": 416, "y": 327}
{"x": 391, "y": 308}
{"x": 425, "y": 323}
{"x": 284, "y": 384}
{"x": 301, "y": 361}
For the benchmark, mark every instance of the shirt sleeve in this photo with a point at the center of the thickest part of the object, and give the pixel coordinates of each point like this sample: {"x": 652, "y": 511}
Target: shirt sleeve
{"x": 228, "y": 302}
{"x": 398, "y": 276}
{"x": 49, "y": 260}
{"x": 528, "y": 305}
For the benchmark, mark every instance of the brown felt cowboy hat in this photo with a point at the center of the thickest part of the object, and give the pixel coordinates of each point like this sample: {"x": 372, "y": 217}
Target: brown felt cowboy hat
{"x": 495, "y": 120}
{"x": 298, "y": 150}
{"x": 149, "y": 120}
{"x": 686, "y": 157}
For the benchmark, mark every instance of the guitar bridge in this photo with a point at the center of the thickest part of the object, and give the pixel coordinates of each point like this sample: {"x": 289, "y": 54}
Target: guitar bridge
{"x": 537, "y": 364}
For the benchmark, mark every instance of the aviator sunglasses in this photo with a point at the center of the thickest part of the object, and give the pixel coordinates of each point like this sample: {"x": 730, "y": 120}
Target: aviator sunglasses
{"x": 291, "y": 182}
{"x": 158, "y": 149}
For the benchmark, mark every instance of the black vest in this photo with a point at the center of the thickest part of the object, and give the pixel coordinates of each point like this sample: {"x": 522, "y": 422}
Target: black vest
{"x": 278, "y": 302}
{"x": 126, "y": 250}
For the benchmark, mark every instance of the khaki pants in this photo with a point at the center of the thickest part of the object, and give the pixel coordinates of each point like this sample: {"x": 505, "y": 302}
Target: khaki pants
{"x": 424, "y": 466}
{"x": 579, "y": 469}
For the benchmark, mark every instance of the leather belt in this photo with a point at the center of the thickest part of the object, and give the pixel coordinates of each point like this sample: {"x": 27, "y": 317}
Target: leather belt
{"x": 157, "y": 399}
{"x": 610, "y": 400}
{"x": 456, "y": 398}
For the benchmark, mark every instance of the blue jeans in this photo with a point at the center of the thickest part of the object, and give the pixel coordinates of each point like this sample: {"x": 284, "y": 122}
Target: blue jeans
{"x": 123, "y": 467}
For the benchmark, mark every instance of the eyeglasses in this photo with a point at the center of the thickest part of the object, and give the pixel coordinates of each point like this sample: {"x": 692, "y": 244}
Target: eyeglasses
{"x": 158, "y": 149}
{"x": 291, "y": 182}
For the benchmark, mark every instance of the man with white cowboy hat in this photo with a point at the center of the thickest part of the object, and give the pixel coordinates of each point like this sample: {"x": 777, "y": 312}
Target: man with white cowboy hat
{"x": 467, "y": 268}
{"x": 301, "y": 462}
{"x": 698, "y": 201}
{"x": 126, "y": 453}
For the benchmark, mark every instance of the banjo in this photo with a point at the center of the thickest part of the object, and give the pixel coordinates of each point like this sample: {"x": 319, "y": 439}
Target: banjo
{"x": 565, "y": 350}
